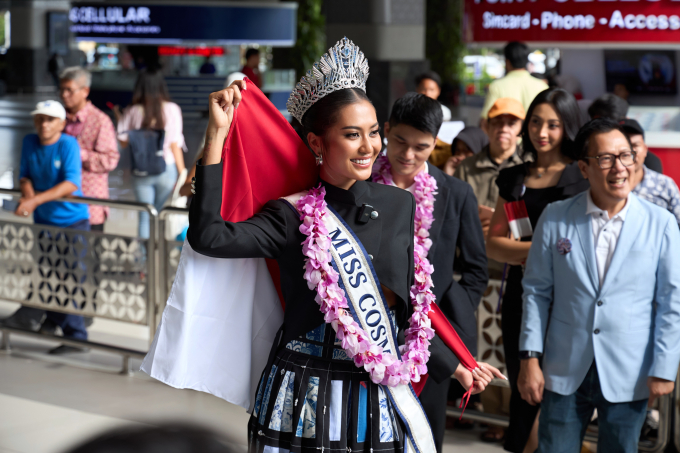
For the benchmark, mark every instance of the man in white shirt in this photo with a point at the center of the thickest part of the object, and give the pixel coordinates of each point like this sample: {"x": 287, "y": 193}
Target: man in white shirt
{"x": 601, "y": 303}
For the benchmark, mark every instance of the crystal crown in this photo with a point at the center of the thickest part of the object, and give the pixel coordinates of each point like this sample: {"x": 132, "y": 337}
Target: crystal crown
{"x": 343, "y": 66}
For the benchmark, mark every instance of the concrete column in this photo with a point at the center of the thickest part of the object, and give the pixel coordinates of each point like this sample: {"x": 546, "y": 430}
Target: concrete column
{"x": 28, "y": 54}
{"x": 391, "y": 33}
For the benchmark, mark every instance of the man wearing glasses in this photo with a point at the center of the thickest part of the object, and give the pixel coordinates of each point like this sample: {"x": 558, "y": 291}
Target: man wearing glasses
{"x": 96, "y": 136}
{"x": 601, "y": 303}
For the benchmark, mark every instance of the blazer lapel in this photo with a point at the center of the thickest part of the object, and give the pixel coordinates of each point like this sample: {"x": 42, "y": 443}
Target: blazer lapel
{"x": 441, "y": 203}
{"x": 584, "y": 227}
{"x": 629, "y": 233}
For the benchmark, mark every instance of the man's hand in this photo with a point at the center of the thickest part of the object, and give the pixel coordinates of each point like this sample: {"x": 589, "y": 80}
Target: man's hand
{"x": 26, "y": 206}
{"x": 658, "y": 387}
{"x": 531, "y": 381}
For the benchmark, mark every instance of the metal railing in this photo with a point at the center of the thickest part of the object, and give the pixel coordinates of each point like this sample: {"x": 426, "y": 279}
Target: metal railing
{"x": 83, "y": 273}
{"x": 169, "y": 251}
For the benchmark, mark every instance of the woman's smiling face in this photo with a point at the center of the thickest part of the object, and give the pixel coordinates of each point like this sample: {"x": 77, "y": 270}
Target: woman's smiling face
{"x": 350, "y": 146}
{"x": 545, "y": 128}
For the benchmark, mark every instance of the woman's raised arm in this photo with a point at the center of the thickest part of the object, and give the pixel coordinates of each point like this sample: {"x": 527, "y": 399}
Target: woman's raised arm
{"x": 221, "y": 105}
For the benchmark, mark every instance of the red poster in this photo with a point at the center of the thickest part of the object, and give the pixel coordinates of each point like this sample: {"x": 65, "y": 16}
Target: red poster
{"x": 603, "y": 21}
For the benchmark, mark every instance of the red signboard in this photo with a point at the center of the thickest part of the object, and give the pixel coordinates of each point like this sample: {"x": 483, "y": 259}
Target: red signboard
{"x": 180, "y": 50}
{"x": 612, "y": 21}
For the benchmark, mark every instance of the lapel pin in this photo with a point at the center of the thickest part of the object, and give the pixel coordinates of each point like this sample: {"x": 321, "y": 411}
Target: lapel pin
{"x": 564, "y": 246}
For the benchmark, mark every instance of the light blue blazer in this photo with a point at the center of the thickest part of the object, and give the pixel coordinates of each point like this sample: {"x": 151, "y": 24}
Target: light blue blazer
{"x": 638, "y": 319}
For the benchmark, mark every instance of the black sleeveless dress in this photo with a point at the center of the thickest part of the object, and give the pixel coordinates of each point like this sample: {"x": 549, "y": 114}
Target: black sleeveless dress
{"x": 511, "y": 187}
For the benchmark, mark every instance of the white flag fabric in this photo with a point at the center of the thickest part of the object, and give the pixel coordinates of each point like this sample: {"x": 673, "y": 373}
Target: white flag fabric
{"x": 218, "y": 327}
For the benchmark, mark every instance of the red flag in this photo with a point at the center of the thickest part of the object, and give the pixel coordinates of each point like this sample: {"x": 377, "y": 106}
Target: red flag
{"x": 264, "y": 159}
{"x": 450, "y": 337}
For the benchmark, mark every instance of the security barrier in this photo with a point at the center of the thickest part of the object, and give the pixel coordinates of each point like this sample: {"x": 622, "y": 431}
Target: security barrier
{"x": 84, "y": 273}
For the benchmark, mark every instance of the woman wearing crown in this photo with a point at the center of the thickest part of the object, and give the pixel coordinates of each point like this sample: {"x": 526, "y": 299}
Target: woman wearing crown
{"x": 351, "y": 277}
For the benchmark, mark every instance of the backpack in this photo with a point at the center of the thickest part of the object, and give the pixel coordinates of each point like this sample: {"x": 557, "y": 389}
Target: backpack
{"x": 146, "y": 151}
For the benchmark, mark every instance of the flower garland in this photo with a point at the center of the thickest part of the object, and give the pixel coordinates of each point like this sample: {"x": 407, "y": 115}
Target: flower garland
{"x": 383, "y": 368}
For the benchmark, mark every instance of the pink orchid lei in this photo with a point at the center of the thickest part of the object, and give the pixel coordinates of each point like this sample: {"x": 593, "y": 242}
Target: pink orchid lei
{"x": 383, "y": 368}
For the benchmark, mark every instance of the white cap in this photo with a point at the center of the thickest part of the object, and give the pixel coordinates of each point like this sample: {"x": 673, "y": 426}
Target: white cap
{"x": 233, "y": 76}
{"x": 50, "y": 108}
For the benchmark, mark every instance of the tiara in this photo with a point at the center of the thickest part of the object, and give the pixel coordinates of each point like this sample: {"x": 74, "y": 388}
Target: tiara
{"x": 343, "y": 66}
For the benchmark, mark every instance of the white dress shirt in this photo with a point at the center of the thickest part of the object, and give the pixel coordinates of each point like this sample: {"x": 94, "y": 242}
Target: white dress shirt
{"x": 606, "y": 233}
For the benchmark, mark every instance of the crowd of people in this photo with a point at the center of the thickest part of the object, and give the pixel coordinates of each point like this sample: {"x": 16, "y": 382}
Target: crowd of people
{"x": 573, "y": 214}
{"x": 542, "y": 150}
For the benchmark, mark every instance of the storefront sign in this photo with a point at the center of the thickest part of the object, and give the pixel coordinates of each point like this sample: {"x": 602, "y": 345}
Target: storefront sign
{"x": 266, "y": 24}
{"x": 630, "y": 21}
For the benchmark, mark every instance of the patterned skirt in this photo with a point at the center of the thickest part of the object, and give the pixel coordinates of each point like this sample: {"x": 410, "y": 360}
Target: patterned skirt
{"x": 315, "y": 398}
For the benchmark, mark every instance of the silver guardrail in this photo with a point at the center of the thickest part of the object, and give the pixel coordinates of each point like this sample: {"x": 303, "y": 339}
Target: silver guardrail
{"x": 85, "y": 273}
{"x": 169, "y": 251}
{"x": 490, "y": 350}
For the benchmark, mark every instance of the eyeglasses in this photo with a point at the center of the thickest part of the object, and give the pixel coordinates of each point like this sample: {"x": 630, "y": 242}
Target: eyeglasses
{"x": 606, "y": 161}
{"x": 69, "y": 91}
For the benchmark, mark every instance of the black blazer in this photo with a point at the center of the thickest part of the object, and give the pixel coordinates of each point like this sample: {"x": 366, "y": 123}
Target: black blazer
{"x": 456, "y": 226}
{"x": 274, "y": 233}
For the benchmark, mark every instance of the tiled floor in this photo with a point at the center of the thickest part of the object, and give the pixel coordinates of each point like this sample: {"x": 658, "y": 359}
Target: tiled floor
{"x": 49, "y": 404}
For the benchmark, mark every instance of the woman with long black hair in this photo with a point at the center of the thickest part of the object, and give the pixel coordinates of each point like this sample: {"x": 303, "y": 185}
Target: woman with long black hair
{"x": 548, "y": 133}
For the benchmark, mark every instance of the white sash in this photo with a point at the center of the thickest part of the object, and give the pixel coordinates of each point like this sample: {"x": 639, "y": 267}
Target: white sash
{"x": 370, "y": 310}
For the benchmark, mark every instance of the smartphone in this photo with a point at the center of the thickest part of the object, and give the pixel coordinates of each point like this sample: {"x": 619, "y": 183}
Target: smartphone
{"x": 10, "y": 205}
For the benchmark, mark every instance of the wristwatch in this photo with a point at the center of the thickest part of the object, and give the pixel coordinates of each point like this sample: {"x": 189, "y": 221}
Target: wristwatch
{"x": 523, "y": 355}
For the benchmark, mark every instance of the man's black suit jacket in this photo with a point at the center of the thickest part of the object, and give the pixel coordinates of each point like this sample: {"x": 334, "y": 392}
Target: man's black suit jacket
{"x": 456, "y": 226}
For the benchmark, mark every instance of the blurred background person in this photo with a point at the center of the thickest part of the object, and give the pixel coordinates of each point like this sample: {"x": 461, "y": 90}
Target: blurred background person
{"x": 151, "y": 108}
{"x": 430, "y": 84}
{"x": 50, "y": 169}
{"x": 608, "y": 106}
{"x": 517, "y": 83}
{"x": 647, "y": 183}
{"x": 548, "y": 134}
{"x": 207, "y": 68}
{"x": 251, "y": 68}
{"x": 96, "y": 136}
{"x": 54, "y": 65}
{"x": 621, "y": 90}
{"x": 469, "y": 142}
{"x": 167, "y": 438}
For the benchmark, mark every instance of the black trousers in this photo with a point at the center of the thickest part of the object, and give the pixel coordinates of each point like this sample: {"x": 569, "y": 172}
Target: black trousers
{"x": 433, "y": 399}
{"x": 522, "y": 414}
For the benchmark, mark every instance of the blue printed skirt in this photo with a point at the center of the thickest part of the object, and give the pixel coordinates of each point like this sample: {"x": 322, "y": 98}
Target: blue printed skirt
{"x": 315, "y": 398}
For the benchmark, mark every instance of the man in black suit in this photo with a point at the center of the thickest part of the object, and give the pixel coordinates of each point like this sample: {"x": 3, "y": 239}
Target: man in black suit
{"x": 457, "y": 238}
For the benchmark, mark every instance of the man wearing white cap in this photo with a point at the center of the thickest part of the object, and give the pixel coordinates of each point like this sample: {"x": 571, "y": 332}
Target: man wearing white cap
{"x": 51, "y": 169}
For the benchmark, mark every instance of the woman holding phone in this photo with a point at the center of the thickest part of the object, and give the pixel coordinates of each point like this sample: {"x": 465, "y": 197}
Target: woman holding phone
{"x": 548, "y": 132}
